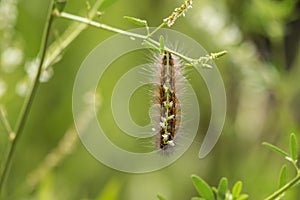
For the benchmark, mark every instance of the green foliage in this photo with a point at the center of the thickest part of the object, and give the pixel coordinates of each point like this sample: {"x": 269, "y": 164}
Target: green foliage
{"x": 275, "y": 148}
{"x": 207, "y": 192}
{"x": 196, "y": 198}
{"x": 236, "y": 190}
{"x": 283, "y": 176}
{"x": 203, "y": 188}
{"x": 294, "y": 147}
{"x": 292, "y": 157}
{"x": 222, "y": 189}
{"x": 263, "y": 63}
{"x": 137, "y": 21}
{"x": 161, "y": 197}
{"x": 221, "y": 193}
{"x": 162, "y": 44}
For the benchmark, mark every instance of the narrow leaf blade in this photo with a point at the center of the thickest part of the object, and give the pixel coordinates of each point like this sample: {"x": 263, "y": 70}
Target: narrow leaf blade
{"x": 161, "y": 197}
{"x": 222, "y": 189}
{"x": 283, "y": 176}
{"x": 215, "y": 190}
{"x": 236, "y": 190}
{"x": 294, "y": 146}
{"x": 162, "y": 44}
{"x": 203, "y": 188}
{"x": 137, "y": 21}
{"x": 197, "y": 198}
{"x": 243, "y": 197}
{"x": 276, "y": 149}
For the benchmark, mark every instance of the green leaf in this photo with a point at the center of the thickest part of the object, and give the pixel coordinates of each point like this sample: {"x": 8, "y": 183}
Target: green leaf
{"x": 294, "y": 146}
{"x": 236, "y": 190}
{"x": 162, "y": 44}
{"x": 197, "y": 198}
{"x": 276, "y": 149}
{"x": 137, "y": 21}
{"x": 161, "y": 197}
{"x": 215, "y": 190}
{"x": 243, "y": 197}
{"x": 222, "y": 189}
{"x": 106, "y": 3}
{"x": 283, "y": 177}
{"x": 59, "y": 5}
{"x": 189, "y": 64}
{"x": 203, "y": 188}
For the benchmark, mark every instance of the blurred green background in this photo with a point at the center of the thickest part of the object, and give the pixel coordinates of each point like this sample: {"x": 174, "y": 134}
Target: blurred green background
{"x": 261, "y": 76}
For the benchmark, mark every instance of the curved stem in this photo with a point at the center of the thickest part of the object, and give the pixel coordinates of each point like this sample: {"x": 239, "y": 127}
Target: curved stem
{"x": 290, "y": 184}
{"x": 28, "y": 102}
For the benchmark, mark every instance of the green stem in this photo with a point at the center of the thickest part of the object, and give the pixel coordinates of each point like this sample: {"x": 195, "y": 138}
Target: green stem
{"x": 159, "y": 27}
{"x": 55, "y": 50}
{"x": 127, "y": 33}
{"x": 28, "y": 102}
{"x": 98, "y": 25}
{"x": 290, "y": 184}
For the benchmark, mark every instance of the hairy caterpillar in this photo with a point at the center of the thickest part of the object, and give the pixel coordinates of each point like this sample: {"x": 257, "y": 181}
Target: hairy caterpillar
{"x": 168, "y": 79}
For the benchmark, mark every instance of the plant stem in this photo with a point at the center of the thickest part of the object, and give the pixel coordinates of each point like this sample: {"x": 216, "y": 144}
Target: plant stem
{"x": 290, "y": 184}
{"x": 54, "y": 50}
{"x": 98, "y": 25}
{"x": 116, "y": 30}
{"x": 29, "y": 99}
{"x": 130, "y": 34}
{"x": 159, "y": 27}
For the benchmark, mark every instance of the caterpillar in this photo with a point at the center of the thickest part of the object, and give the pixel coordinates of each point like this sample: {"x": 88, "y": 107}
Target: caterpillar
{"x": 166, "y": 98}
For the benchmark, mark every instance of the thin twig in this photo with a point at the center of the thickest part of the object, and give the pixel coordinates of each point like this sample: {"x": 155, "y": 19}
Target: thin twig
{"x": 159, "y": 27}
{"x": 28, "y": 102}
{"x": 54, "y": 51}
{"x": 130, "y": 34}
{"x": 283, "y": 189}
{"x": 97, "y": 24}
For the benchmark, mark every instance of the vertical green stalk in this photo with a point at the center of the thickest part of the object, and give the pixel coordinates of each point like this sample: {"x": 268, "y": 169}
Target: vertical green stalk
{"x": 29, "y": 99}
